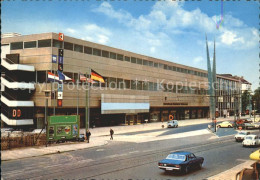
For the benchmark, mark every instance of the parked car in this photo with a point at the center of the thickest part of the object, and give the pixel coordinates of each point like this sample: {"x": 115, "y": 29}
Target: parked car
{"x": 251, "y": 140}
{"x": 225, "y": 124}
{"x": 255, "y": 155}
{"x": 241, "y": 135}
{"x": 81, "y": 137}
{"x": 172, "y": 123}
{"x": 181, "y": 161}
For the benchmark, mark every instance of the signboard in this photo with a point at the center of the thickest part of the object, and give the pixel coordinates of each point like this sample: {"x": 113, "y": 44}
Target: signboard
{"x": 59, "y": 102}
{"x": 63, "y": 127}
{"x": 54, "y": 59}
{"x": 61, "y": 37}
{"x": 60, "y": 95}
{"x": 60, "y": 87}
{"x": 60, "y": 60}
{"x": 60, "y": 52}
{"x": 60, "y": 67}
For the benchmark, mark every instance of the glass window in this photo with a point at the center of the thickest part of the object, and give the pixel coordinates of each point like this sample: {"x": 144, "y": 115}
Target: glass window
{"x": 112, "y": 55}
{"x": 195, "y": 73}
{"x": 155, "y": 64}
{"x": 169, "y": 67}
{"x": 120, "y": 57}
{"x": 127, "y": 84}
{"x": 145, "y": 62}
{"x": 120, "y": 83}
{"x": 198, "y": 73}
{"x": 44, "y": 43}
{"x": 139, "y": 61}
{"x": 145, "y": 85}
{"x": 173, "y": 68}
{"x": 68, "y": 46}
{"x": 150, "y": 86}
{"x": 160, "y": 65}
{"x": 87, "y": 50}
{"x": 178, "y": 69}
{"x": 155, "y": 87}
{"x": 164, "y": 66}
{"x": 182, "y": 70}
{"x": 57, "y": 44}
{"x": 185, "y": 70}
{"x": 78, "y": 48}
{"x": 127, "y": 58}
{"x": 150, "y": 63}
{"x": 31, "y": 44}
{"x": 105, "y": 54}
{"x": 139, "y": 85}
{"x": 133, "y": 60}
{"x": 133, "y": 84}
{"x": 112, "y": 82}
{"x": 96, "y": 52}
{"x": 16, "y": 45}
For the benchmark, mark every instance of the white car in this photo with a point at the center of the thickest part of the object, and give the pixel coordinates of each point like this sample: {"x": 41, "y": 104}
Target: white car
{"x": 251, "y": 140}
{"x": 241, "y": 135}
{"x": 172, "y": 123}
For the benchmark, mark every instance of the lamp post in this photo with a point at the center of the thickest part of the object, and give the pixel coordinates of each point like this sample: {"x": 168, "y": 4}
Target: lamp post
{"x": 47, "y": 93}
{"x": 254, "y": 110}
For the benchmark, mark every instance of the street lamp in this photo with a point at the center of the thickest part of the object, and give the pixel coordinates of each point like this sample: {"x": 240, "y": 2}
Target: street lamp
{"x": 254, "y": 110}
{"x": 47, "y": 93}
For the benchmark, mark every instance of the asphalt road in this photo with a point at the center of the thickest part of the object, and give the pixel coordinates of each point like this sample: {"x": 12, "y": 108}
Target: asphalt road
{"x": 121, "y": 160}
{"x": 169, "y": 131}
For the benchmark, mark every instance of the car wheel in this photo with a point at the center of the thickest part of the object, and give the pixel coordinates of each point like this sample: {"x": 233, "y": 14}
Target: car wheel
{"x": 186, "y": 170}
{"x": 218, "y": 126}
{"x": 176, "y": 126}
{"x": 229, "y": 126}
{"x": 200, "y": 165}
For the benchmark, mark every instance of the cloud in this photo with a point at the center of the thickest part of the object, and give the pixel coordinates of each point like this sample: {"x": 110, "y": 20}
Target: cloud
{"x": 169, "y": 17}
{"x": 71, "y": 31}
{"x": 198, "y": 60}
{"x": 229, "y": 37}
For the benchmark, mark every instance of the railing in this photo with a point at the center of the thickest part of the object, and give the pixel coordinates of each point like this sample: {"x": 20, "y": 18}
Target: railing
{"x": 248, "y": 174}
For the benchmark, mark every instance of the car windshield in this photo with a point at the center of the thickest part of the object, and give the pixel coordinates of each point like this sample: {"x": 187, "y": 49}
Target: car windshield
{"x": 249, "y": 137}
{"x": 242, "y": 133}
{"x": 176, "y": 157}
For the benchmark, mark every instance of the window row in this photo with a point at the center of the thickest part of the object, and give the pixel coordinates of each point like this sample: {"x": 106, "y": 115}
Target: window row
{"x": 99, "y": 52}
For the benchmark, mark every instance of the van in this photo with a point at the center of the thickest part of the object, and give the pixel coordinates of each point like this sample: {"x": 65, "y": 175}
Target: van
{"x": 172, "y": 123}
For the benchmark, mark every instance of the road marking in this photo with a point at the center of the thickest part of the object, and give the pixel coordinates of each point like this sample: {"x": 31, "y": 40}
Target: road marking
{"x": 100, "y": 150}
{"x": 133, "y": 152}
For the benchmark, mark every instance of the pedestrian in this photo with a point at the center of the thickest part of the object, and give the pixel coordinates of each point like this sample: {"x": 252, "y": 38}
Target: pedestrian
{"x": 111, "y": 134}
{"x": 88, "y": 134}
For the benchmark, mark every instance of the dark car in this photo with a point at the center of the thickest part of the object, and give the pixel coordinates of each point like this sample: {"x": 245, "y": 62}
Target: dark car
{"x": 182, "y": 161}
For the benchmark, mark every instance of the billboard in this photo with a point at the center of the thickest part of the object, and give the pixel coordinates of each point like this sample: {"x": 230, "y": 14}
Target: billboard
{"x": 63, "y": 127}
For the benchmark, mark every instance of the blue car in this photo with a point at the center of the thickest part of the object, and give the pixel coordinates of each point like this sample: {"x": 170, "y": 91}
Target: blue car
{"x": 181, "y": 161}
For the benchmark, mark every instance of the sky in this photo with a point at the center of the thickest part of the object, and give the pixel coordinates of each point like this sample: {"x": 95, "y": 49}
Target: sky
{"x": 169, "y": 30}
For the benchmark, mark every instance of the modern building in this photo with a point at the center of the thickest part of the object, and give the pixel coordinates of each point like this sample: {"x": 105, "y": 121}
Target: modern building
{"x": 136, "y": 88}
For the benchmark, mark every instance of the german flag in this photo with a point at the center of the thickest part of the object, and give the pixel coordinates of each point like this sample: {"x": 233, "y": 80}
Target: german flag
{"x": 96, "y": 77}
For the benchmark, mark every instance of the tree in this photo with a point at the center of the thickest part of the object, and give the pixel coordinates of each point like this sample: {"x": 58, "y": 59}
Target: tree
{"x": 256, "y": 99}
{"x": 245, "y": 100}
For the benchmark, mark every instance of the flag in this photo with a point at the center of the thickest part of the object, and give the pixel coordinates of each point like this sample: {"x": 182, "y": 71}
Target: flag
{"x": 96, "y": 77}
{"x": 63, "y": 77}
{"x": 82, "y": 77}
{"x": 53, "y": 77}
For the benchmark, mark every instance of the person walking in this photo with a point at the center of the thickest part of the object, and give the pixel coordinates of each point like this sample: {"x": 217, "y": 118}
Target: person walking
{"x": 88, "y": 134}
{"x": 111, "y": 134}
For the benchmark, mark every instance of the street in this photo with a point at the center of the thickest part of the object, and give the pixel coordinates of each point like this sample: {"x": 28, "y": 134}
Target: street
{"x": 130, "y": 160}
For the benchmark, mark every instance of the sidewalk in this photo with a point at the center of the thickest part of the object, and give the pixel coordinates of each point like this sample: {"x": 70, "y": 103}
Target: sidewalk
{"x": 102, "y": 131}
{"x": 99, "y": 137}
{"x": 230, "y": 174}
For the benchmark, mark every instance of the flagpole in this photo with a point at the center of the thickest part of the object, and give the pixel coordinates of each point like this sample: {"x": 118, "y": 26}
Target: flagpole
{"x": 78, "y": 95}
{"x": 87, "y": 102}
